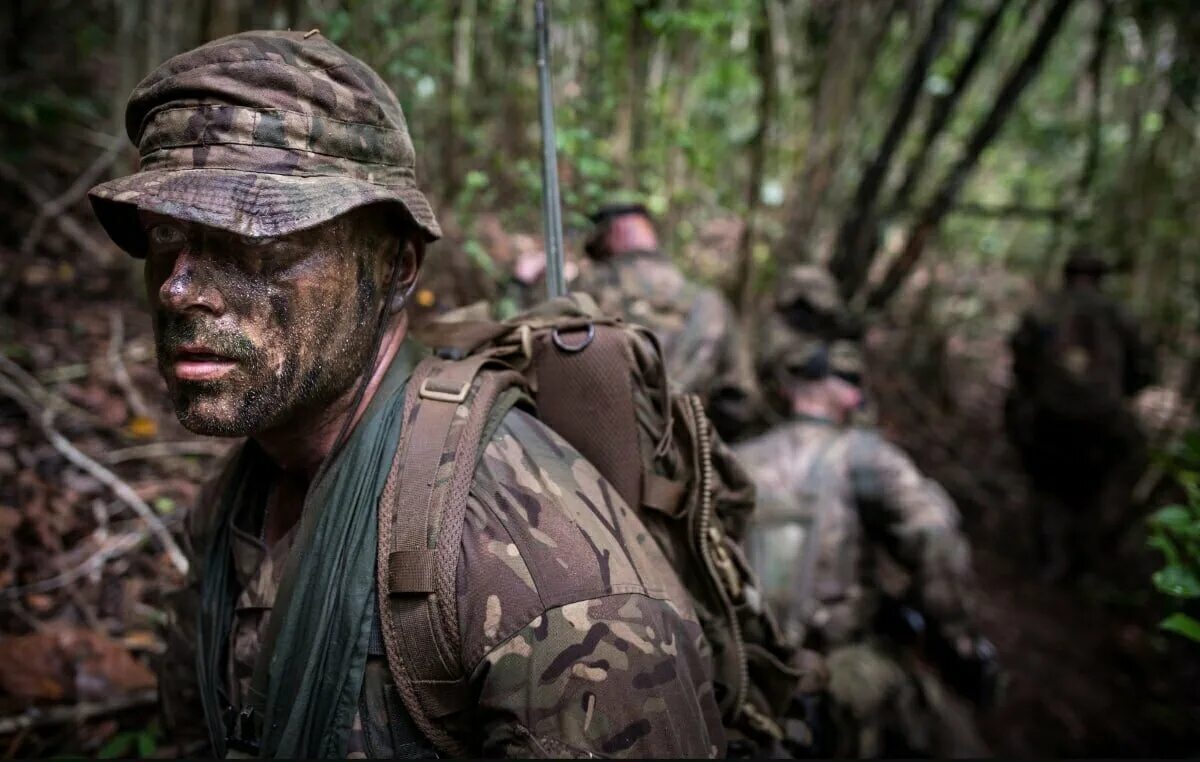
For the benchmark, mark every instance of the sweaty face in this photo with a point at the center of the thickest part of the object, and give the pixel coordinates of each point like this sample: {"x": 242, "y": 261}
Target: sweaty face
{"x": 254, "y": 332}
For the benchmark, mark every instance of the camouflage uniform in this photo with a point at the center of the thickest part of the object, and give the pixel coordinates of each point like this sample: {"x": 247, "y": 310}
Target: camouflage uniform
{"x": 699, "y": 332}
{"x": 577, "y": 636}
{"x": 1077, "y": 359}
{"x": 844, "y": 517}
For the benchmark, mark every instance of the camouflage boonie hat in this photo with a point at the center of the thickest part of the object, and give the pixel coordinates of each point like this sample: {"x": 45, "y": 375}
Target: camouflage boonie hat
{"x": 263, "y": 134}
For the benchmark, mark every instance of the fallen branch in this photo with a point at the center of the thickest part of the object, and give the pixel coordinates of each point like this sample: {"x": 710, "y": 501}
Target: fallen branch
{"x": 55, "y": 207}
{"x": 96, "y": 471}
{"x": 167, "y": 450}
{"x": 35, "y": 717}
{"x": 44, "y": 397}
{"x": 65, "y": 222}
{"x": 117, "y": 365}
{"x": 117, "y": 546}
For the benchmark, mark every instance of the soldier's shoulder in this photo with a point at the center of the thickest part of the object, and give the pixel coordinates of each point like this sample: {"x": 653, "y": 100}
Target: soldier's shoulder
{"x": 544, "y": 530}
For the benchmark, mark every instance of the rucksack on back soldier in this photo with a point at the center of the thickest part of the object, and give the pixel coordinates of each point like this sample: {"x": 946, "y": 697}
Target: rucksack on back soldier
{"x": 395, "y": 545}
{"x": 859, "y": 553}
{"x": 1077, "y": 360}
{"x": 603, "y": 386}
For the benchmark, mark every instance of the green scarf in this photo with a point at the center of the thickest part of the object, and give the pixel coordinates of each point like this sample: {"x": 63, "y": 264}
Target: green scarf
{"x": 309, "y": 680}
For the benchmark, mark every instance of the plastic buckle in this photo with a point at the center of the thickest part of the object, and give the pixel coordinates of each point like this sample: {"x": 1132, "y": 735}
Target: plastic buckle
{"x": 243, "y": 736}
{"x": 444, "y": 395}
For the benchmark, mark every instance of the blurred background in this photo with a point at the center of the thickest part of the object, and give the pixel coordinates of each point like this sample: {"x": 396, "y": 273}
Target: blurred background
{"x": 942, "y": 156}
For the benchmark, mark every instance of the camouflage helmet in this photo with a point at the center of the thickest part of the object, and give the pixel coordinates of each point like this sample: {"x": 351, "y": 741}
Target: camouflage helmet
{"x": 811, "y": 284}
{"x": 263, "y": 134}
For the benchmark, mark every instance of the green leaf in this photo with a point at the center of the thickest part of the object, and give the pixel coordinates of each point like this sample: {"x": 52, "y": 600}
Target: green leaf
{"x": 1172, "y": 517}
{"x": 1178, "y": 582}
{"x": 120, "y": 745}
{"x": 1182, "y": 624}
{"x": 146, "y": 745}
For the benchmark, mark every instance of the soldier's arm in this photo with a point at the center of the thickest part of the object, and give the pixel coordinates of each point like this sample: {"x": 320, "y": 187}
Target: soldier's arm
{"x": 917, "y": 521}
{"x": 1140, "y": 366}
{"x": 616, "y": 676}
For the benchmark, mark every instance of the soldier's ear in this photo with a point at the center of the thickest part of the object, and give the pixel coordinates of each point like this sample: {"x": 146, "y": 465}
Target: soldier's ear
{"x": 410, "y": 254}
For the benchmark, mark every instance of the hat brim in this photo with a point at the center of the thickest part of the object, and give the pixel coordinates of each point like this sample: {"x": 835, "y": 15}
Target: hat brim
{"x": 252, "y": 204}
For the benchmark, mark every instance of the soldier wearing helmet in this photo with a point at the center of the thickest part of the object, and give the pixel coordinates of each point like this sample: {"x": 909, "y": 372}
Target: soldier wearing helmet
{"x": 836, "y": 504}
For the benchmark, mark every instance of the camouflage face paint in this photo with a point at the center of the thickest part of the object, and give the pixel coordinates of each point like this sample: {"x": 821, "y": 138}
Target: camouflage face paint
{"x": 252, "y": 333}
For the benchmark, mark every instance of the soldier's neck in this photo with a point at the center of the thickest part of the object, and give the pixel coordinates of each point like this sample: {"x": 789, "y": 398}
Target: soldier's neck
{"x": 300, "y": 446}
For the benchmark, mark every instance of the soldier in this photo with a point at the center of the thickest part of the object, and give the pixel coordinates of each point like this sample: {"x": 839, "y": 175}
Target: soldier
{"x": 632, "y": 277}
{"x": 807, "y": 309}
{"x": 861, "y": 555}
{"x": 1077, "y": 360}
{"x": 282, "y": 229}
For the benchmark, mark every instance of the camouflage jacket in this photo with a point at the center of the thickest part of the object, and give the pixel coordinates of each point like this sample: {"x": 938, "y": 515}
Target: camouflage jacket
{"x": 577, "y": 636}
{"x": 696, "y": 326}
{"x": 841, "y": 515}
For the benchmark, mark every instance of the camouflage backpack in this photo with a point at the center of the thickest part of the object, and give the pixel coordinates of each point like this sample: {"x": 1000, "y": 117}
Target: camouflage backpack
{"x": 601, "y": 385}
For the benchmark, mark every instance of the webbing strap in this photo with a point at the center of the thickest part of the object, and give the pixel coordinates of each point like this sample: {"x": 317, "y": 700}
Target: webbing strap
{"x": 421, "y": 513}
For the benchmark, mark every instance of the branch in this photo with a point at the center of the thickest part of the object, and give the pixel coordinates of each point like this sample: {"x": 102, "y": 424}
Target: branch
{"x": 119, "y": 371}
{"x": 123, "y": 491}
{"x": 981, "y": 138}
{"x": 56, "y": 206}
{"x": 118, "y": 546}
{"x": 34, "y": 717}
{"x": 66, "y": 223}
{"x": 167, "y": 450}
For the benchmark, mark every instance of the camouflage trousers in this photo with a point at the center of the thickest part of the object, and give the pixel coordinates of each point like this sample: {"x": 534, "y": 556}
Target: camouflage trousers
{"x": 884, "y": 707}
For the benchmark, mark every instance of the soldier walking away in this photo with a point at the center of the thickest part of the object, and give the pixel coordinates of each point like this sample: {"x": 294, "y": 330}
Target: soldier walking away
{"x": 863, "y": 559}
{"x": 1077, "y": 360}
{"x": 630, "y": 276}
{"x": 282, "y": 229}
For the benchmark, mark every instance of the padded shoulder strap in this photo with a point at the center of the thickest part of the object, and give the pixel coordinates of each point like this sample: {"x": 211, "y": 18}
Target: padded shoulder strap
{"x": 421, "y": 513}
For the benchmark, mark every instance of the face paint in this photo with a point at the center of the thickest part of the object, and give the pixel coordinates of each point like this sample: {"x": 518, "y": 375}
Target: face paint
{"x": 252, "y": 333}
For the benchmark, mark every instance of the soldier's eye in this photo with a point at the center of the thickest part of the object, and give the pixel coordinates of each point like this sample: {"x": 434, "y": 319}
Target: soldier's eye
{"x": 257, "y": 241}
{"x": 166, "y": 236}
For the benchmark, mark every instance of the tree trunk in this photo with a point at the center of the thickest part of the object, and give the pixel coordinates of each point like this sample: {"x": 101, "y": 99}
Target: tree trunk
{"x": 943, "y": 107}
{"x": 1096, "y": 78}
{"x": 859, "y": 231}
{"x": 765, "y": 65}
{"x": 838, "y": 87}
{"x": 982, "y": 137}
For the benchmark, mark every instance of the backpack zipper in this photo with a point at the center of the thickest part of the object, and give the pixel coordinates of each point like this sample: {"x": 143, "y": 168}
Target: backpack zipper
{"x": 709, "y": 543}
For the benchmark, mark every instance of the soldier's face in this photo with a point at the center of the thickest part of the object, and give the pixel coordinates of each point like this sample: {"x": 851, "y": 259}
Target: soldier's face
{"x": 252, "y": 333}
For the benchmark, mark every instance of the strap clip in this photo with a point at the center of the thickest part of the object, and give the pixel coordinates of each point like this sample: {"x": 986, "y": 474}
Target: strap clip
{"x": 430, "y": 392}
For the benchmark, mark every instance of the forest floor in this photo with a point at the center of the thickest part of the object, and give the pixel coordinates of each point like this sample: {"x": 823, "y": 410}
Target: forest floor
{"x": 81, "y": 577}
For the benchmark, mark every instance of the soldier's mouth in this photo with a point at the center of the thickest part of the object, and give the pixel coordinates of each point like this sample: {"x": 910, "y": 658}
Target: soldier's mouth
{"x": 196, "y": 362}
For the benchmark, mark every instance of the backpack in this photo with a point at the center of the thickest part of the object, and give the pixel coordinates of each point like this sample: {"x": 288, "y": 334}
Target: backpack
{"x": 654, "y": 445}
{"x": 1080, "y": 373}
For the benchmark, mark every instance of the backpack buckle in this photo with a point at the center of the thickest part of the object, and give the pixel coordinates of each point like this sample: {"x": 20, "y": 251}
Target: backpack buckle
{"x": 430, "y": 391}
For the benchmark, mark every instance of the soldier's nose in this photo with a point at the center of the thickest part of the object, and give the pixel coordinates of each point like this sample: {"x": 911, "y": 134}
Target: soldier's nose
{"x": 190, "y": 287}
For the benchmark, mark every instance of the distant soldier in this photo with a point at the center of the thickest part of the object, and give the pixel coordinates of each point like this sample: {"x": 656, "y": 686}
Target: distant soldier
{"x": 808, "y": 315}
{"x": 1077, "y": 359}
{"x": 863, "y": 559}
{"x": 632, "y": 277}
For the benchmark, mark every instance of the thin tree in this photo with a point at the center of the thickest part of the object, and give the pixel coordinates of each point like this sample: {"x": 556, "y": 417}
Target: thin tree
{"x": 929, "y": 219}
{"x": 943, "y": 107}
{"x": 858, "y": 233}
{"x": 765, "y": 65}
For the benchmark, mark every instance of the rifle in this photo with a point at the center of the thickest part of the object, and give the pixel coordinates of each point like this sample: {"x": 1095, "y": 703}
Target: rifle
{"x": 556, "y": 284}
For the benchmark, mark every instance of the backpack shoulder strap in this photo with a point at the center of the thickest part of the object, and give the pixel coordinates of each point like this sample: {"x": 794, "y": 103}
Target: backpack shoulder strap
{"x": 447, "y": 409}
